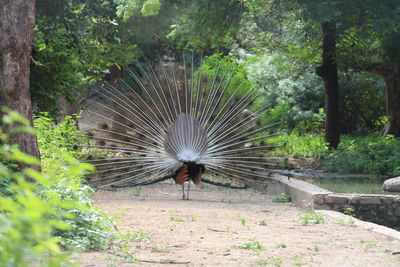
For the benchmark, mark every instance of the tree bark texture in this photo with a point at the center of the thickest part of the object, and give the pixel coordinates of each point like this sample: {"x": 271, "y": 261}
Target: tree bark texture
{"x": 17, "y": 21}
{"x": 328, "y": 71}
{"x": 390, "y": 72}
{"x": 118, "y": 120}
{"x": 392, "y": 82}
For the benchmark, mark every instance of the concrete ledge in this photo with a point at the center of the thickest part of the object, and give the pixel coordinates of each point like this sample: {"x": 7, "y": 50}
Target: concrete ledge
{"x": 302, "y": 193}
{"x": 381, "y": 209}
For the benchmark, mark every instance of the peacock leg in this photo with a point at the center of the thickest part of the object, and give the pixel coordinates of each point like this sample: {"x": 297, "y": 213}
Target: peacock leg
{"x": 187, "y": 195}
{"x": 183, "y": 191}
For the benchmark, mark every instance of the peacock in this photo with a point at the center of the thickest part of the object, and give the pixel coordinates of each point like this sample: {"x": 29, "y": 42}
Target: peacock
{"x": 176, "y": 118}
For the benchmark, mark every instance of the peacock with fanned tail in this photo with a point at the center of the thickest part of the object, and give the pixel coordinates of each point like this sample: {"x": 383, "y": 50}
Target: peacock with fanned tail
{"x": 175, "y": 120}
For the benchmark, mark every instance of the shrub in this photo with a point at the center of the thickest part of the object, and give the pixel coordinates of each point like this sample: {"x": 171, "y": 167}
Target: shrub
{"x": 282, "y": 198}
{"x": 371, "y": 155}
{"x": 27, "y": 221}
{"x": 58, "y": 144}
{"x": 293, "y": 144}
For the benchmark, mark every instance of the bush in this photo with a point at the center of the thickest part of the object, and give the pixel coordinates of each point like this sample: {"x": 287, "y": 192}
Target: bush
{"x": 27, "y": 221}
{"x": 59, "y": 144}
{"x": 371, "y": 155}
{"x": 297, "y": 95}
{"x": 295, "y": 145}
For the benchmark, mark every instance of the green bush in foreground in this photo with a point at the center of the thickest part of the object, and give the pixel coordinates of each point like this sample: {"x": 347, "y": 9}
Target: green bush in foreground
{"x": 59, "y": 146}
{"x": 27, "y": 221}
{"x": 39, "y": 218}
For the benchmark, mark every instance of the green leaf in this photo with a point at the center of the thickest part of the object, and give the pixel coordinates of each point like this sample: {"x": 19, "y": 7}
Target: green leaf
{"x": 24, "y": 158}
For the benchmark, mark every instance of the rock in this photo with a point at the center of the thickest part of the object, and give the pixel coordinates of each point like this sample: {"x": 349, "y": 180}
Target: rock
{"x": 335, "y": 199}
{"x": 370, "y": 200}
{"x": 392, "y": 185}
{"x": 319, "y": 198}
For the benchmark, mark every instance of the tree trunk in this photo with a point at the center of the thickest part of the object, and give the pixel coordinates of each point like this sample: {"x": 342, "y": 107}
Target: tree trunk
{"x": 392, "y": 82}
{"x": 17, "y": 21}
{"x": 328, "y": 71}
{"x": 115, "y": 81}
{"x": 390, "y": 73}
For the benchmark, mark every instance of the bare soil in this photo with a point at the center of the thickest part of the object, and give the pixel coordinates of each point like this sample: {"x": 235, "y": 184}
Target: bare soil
{"x": 210, "y": 229}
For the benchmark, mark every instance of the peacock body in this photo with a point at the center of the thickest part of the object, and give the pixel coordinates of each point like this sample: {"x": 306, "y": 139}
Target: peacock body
{"x": 174, "y": 120}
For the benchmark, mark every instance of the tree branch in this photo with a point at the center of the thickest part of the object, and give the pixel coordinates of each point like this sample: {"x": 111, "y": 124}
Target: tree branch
{"x": 376, "y": 68}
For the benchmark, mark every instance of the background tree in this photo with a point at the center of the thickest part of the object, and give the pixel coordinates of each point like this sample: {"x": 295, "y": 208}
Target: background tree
{"x": 17, "y": 21}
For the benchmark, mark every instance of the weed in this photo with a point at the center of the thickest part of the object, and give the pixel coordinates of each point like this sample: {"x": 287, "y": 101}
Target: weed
{"x": 210, "y": 252}
{"x": 349, "y": 211}
{"x": 253, "y": 244}
{"x": 386, "y": 250}
{"x": 280, "y": 245}
{"x": 243, "y": 220}
{"x": 316, "y": 248}
{"x": 193, "y": 218}
{"x": 120, "y": 248}
{"x": 172, "y": 228}
{"x": 138, "y": 236}
{"x": 159, "y": 248}
{"x": 346, "y": 221}
{"x": 277, "y": 261}
{"x": 298, "y": 261}
{"x": 369, "y": 244}
{"x": 282, "y": 198}
{"x": 262, "y": 223}
{"x": 173, "y": 218}
{"x": 137, "y": 191}
{"x": 311, "y": 217}
{"x": 262, "y": 262}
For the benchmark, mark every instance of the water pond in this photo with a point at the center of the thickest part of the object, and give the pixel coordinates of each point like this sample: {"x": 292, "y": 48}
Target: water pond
{"x": 350, "y": 185}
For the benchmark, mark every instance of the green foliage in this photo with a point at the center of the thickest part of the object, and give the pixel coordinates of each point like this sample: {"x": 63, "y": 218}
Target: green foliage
{"x": 294, "y": 96}
{"x": 228, "y": 69}
{"x": 280, "y": 245}
{"x": 74, "y": 44}
{"x": 282, "y": 198}
{"x": 311, "y": 217}
{"x": 204, "y": 25}
{"x": 252, "y": 244}
{"x": 243, "y": 220}
{"x": 60, "y": 145}
{"x": 277, "y": 261}
{"x": 262, "y": 223}
{"x": 56, "y": 139}
{"x": 361, "y": 103}
{"x": 27, "y": 221}
{"x": 128, "y": 8}
{"x": 310, "y": 145}
{"x": 370, "y": 155}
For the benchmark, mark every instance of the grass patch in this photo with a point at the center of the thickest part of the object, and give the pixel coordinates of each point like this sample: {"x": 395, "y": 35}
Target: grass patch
{"x": 252, "y": 244}
{"x": 282, "y": 198}
{"x": 311, "y": 217}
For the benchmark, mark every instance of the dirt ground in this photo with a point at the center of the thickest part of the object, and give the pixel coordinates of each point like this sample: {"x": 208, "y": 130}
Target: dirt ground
{"x": 226, "y": 227}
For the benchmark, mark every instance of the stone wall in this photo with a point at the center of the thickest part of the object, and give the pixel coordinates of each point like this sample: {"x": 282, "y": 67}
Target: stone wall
{"x": 381, "y": 209}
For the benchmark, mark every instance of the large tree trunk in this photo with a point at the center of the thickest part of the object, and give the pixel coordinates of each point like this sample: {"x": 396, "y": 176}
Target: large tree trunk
{"x": 390, "y": 72}
{"x": 119, "y": 121}
{"x": 392, "y": 81}
{"x": 17, "y": 21}
{"x": 328, "y": 71}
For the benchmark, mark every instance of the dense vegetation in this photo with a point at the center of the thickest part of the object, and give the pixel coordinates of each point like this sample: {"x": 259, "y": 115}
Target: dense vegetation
{"x": 330, "y": 71}
{"x": 53, "y": 210}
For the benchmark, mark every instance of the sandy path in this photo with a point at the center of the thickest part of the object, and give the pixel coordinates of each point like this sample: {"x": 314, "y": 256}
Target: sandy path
{"x": 206, "y": 231}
